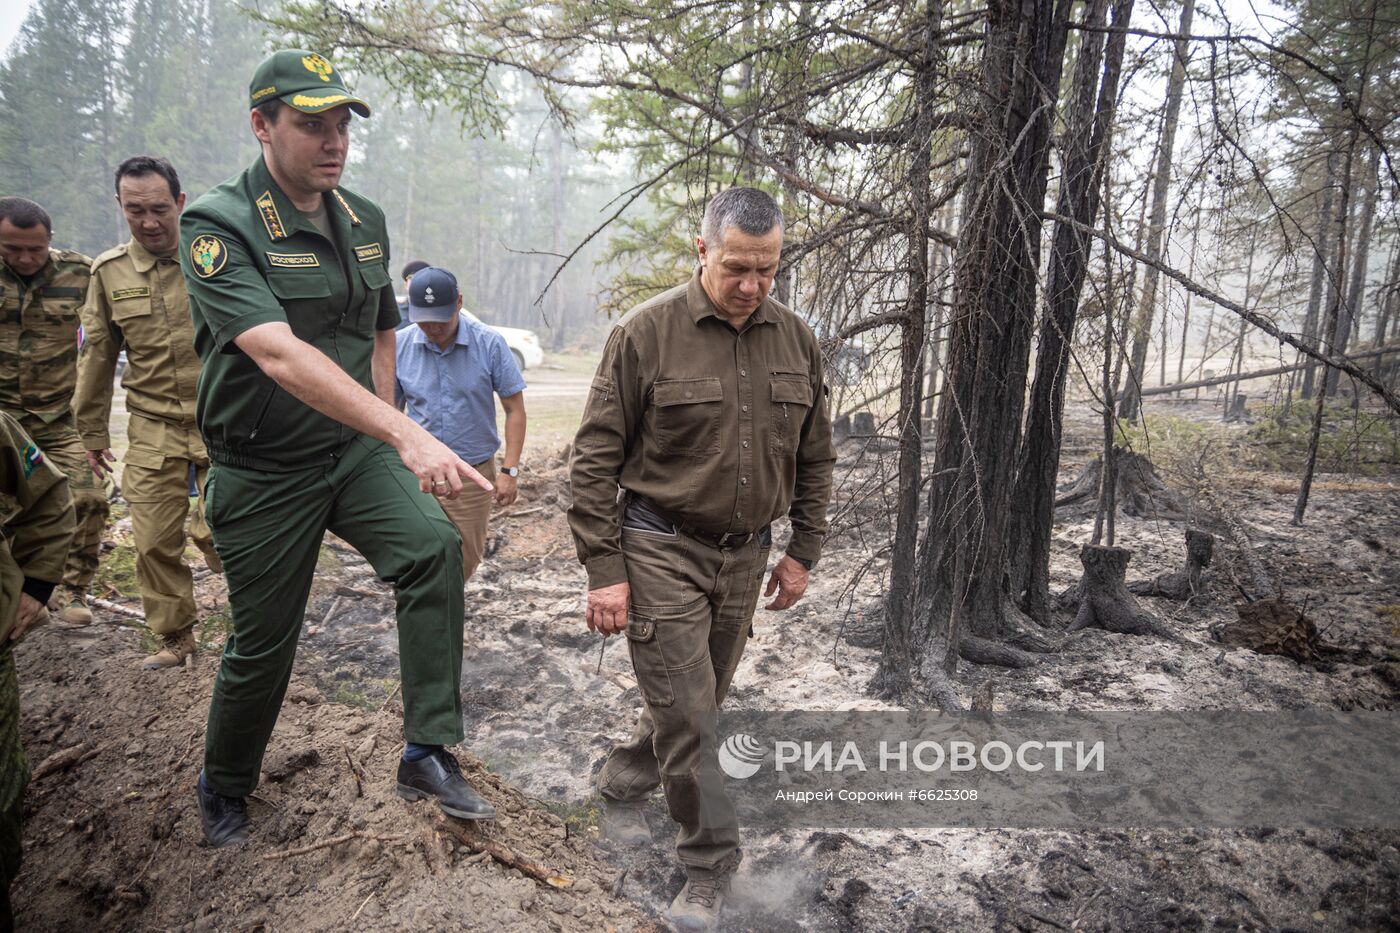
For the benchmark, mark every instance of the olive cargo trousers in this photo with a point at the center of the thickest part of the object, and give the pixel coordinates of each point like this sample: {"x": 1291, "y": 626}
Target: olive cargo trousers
{"x": 267, "y": 530}
{"x": 60, "y": 442}
{"x": 687, "y": 625}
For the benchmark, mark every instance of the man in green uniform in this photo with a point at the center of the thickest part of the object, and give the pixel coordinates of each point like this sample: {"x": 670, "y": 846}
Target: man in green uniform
{"x": 708, "y": 411}
{"x": 294, "y": 319}
{"x": 36, "y": 512}
{"x": 41, "y": 290}
{"x": 137, "y": 300}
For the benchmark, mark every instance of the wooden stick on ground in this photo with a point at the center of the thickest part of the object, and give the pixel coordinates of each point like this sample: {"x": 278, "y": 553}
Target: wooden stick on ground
{"x": 118, "y": 608}
{"x": 501, "y": 853}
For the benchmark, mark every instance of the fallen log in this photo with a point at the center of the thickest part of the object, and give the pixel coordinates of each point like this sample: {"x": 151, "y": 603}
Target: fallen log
{"x": 1257, "y": 374}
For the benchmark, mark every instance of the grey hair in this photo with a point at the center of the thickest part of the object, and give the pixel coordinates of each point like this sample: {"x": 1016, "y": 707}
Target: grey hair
{"x": 751, "y": 211}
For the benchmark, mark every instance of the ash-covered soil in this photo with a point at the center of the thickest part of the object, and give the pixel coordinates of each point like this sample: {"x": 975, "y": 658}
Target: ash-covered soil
{"x": 112, "y": 842}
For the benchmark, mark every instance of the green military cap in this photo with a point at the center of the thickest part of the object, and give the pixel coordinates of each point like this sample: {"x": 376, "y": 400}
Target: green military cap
{"x": 302, "y": 80}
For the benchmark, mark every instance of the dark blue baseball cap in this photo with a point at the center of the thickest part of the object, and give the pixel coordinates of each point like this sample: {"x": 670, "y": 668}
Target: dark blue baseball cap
{"x": 432, "y": 296}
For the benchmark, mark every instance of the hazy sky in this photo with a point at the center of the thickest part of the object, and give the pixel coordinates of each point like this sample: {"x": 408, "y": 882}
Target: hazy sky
{"x": 11, "y": 15}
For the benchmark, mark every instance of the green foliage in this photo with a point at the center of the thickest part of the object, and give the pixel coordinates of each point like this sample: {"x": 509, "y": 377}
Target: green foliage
{"x": 117, "y": 571}
{"x": 1367, "y": 443}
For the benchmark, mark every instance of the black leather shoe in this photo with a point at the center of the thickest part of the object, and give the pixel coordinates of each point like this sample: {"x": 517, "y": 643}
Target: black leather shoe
{"x": 225, "y": 819}
{"x": 439, "y": 775}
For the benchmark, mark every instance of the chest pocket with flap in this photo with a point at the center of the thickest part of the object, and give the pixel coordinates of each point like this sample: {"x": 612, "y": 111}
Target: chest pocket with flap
{"x": 303, "y": 296}
{"x": 790, "y": 396}
{"x": 686, "y": 415}
{"x": 375, "y": 277}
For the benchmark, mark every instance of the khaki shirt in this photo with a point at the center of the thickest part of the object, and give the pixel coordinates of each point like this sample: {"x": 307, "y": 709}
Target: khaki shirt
{"x": 36, "y": 517}
{"x": 137, "y": 300}
{"x": 725, "y": 429}
{"x": 39, "y": 336}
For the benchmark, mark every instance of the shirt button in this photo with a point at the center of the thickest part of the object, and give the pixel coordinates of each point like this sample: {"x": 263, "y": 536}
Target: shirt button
{"x": 744, "y": 408}
{"x": 743, "y": 372}
{"x": 744, "y": 481}
{"x": 746, "y": 443}
{"x": 690, "y": 395}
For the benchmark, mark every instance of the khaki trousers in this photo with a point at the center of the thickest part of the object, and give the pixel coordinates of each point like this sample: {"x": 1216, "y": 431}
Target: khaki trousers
{"x": 156, "y": 486}
{"x": 470, "y": 513}
{"x": 689, "y": 620}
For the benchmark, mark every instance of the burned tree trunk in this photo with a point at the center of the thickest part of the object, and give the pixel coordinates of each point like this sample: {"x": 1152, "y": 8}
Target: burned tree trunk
{"x": 1187, "y": 583}
{"x": 1320, "y": 270}
{"x": 1161, "y": 185}
{"x": 1104, "y": 600}
{"x": 959, "y": 581}
{"x": 895, "y": 655}
{"x": 1039, "y": 460}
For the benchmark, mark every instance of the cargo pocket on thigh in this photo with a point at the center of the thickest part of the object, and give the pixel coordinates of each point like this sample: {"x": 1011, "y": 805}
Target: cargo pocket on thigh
{"x": 653, "y": 678}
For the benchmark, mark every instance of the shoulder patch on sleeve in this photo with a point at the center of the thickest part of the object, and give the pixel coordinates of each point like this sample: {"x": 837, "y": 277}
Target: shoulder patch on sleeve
{"x": 31, "y": 458}
{"x": 208, "y": 254}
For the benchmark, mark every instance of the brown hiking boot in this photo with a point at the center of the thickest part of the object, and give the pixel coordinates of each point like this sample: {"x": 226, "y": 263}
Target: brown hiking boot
{"x": 175, "y": 648}
{"x": 697, "y": 906}
{"x": 70, "y": 606}
{"x": 624, "y": 824}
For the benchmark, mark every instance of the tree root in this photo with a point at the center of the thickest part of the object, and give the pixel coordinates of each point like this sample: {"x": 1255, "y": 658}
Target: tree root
{"x": 985, "y": 651}
{"x": 1104, "y": 600}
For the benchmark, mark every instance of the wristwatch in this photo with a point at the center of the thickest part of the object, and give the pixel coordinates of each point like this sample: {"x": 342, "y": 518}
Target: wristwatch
{"x": 510, "y": 471}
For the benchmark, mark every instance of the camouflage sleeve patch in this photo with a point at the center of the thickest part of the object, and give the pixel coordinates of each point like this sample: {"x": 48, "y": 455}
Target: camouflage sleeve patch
{"x": 208, "y": 254}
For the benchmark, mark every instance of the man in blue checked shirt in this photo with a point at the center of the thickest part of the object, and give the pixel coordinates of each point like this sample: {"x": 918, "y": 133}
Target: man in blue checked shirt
{"x": 447, "y": 369}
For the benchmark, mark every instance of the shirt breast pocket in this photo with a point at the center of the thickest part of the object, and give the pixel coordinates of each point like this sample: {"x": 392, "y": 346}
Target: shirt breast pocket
{"x": 303, "y": 297}
{"x": 789, "y": 396}
{"x": 375, "y": 277}
{"x": 686, "y": 416}
{"x": 133, "y": 316}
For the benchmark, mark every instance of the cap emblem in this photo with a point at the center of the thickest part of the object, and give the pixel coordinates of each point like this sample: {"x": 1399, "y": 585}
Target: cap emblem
{"x": 319, "y": 65}
{"x": 429, "y": 297}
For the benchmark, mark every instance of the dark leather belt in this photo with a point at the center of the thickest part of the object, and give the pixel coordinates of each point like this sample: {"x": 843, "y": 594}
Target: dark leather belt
{"x": 724, "y": 541}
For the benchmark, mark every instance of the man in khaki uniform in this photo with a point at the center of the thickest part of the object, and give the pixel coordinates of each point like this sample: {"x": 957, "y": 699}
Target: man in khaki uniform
{"x": 41, "y": 291}
{"x": 709, "y": 412}
{"x": 137, "y": 300}
{"x": 36, "y": 513}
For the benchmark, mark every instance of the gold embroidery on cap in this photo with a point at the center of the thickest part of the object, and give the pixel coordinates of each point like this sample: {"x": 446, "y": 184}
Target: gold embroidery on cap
{"x": 319, "y": 65}
{"x": 258, "y": 95}
{"x": 369, "y": 253}
{"x": 303, "y": 100}
{"x": 124, "y": 293}
{"x": 270, "y": 218}
{"x": 354, "y": 218}
{"x": 293, "y": 260}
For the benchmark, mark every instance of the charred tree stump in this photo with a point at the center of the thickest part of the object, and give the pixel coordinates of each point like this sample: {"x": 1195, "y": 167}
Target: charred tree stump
{"x": 863, "y": 424}
{"x": 1104, "y": 600}
{"x": 1139, "y": 491}
{"x": 840, "y": 429}
{"x": 1187, "y": 583}
{"x": 1236, "y": 410}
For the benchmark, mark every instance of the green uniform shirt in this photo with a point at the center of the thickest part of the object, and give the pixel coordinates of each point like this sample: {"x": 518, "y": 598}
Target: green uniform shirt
{"x": 252, "y": 258}
{"x": 39, "y": 336}
{"x": 36, "y": 514}
{"x": 726, "y": 429}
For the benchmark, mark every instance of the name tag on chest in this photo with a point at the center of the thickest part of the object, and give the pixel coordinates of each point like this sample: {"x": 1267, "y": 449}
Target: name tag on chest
{"x": 293, "y": 260}
{"x": 122, "y": 294}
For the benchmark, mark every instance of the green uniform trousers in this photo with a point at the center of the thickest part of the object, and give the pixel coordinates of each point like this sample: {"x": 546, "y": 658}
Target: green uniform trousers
{"x": 61, "y": 444}
{"x": 691, "y": 610}
{"x": 156, "y": 486}
{"x": 14, "y": 776}
{"x": 267, "y": 530}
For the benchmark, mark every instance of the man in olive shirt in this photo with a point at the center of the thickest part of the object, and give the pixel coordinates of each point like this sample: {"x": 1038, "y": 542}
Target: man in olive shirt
{"x": 709, "y": 412}
{"x": 36, "y": 518}
{"x": 294, "y": 319}
{"x": 137, "y": 300}
{"x": 41, "y": 290}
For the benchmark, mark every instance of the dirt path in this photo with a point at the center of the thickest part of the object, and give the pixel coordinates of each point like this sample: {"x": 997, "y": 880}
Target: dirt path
{"x": 112, "y": 841}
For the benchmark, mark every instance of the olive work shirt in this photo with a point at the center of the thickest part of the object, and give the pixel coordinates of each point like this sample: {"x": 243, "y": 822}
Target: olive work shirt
{"x": 36, "y": 523}
{"x": 137, "y": 300}
{"x": 39, "y": 321}
{"x": 725, "y": 429}
{"x": 250, "y": 257}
